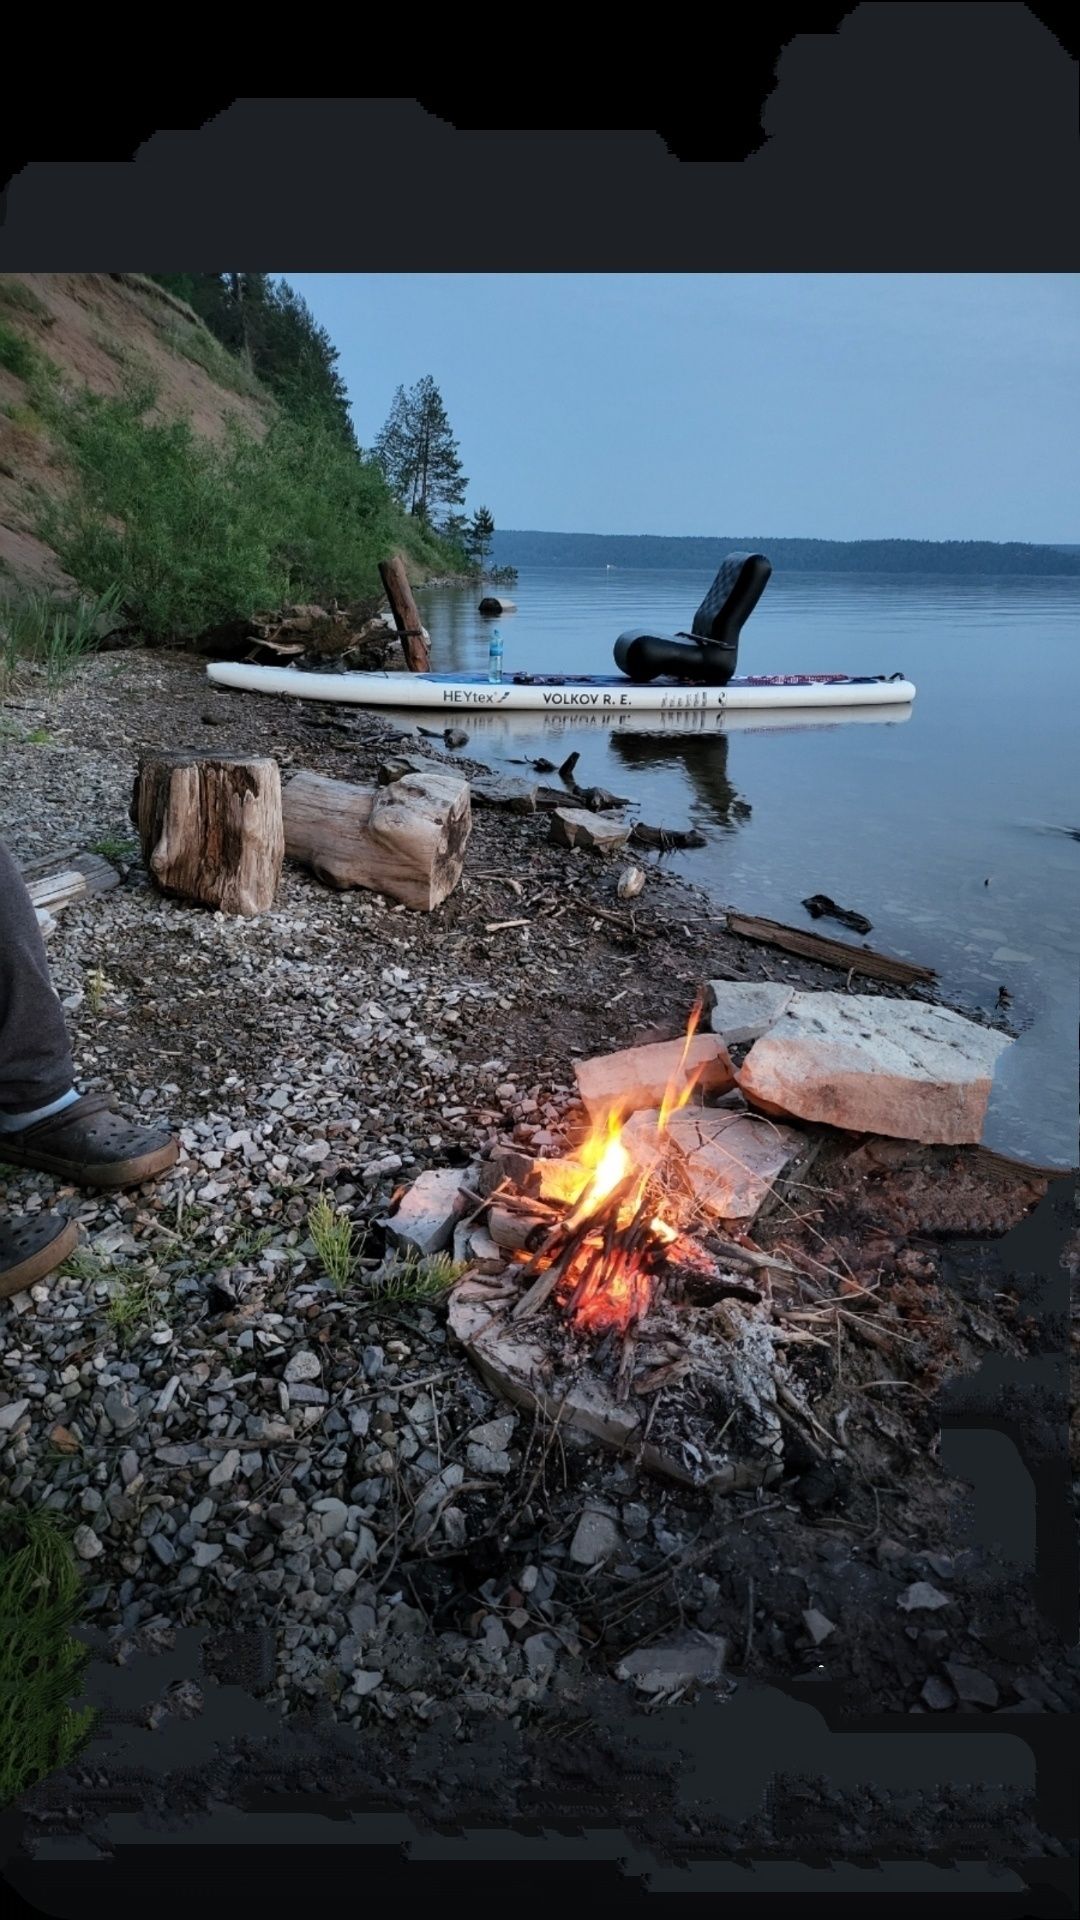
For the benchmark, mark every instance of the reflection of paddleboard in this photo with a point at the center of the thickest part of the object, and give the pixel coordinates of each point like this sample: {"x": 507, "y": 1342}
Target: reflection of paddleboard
{"x": 691, "y": 726}
{"x": 551, "y": 693}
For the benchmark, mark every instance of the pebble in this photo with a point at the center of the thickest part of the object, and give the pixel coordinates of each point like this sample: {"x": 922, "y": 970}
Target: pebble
{"x": 225, "y": 1470}
{"x": 86, "y": 1543}
{"x": 972, "y": 1686}
{"x": 596, "y": 1538}
{"x": 922, "y": 1597}
{"x": 304, "y": 1365}
{"x": 937, "y": 1695}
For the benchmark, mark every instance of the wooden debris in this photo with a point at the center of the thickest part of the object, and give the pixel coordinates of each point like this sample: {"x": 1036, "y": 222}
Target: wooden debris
{"x": 210, "y": 828}
{"x": 411, "y": 632}
{"x": 406, "y": 840}
{"x": 666, "y": 838}
{"x": 830, "y": 953}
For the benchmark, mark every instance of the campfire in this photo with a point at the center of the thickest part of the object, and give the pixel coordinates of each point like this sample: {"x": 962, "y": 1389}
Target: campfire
{"x": 611, "y": 1288}
{"x": 604, "y": 1261}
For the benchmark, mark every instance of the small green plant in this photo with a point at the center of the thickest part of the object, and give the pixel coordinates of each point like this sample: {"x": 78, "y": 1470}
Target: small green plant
{"x": 96, "y": 989}
{"x": 39, "y": 738}
{"x": 41, "y": 1665}
{"x": 332, "y": 1232}
{"x": 113, "y": 847}
{"x": 132, "y": 1306}
{"x": 55, "y": 633}
{"x": 418, "y": 1281}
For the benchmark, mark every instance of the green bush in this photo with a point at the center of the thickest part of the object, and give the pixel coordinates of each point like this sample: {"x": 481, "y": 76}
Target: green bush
{"x": 17, "y": 355}
{"x": 193, "y": 534}
{"x": 41, "y": 1665}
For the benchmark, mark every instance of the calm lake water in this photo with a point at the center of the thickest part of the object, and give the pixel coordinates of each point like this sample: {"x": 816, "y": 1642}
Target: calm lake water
{"x": 906, "y": 818}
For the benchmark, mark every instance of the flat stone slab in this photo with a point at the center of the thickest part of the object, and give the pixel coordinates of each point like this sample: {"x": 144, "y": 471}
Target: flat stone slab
{"x": 674, "y": 1665}
{"x": 895, "y": 1067}
{"x": 741, "y": 1010}
{"x": 424, "y": 1222}
{"x": 505, "y": 791}
{"x": 733, "y": 1160}
{"x": 573, "y": 827}
{"x": 638, "y": 1077}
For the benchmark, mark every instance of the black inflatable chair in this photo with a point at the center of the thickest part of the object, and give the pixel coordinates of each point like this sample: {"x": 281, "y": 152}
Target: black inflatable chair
{"x": 710, "y": 651}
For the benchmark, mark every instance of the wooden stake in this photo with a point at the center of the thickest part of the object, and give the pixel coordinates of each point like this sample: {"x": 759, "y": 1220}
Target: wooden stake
{"x": 414, "y": 642}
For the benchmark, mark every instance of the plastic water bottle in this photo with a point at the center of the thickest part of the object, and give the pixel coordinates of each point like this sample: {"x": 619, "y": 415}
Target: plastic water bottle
{"x": 495, "y": 656}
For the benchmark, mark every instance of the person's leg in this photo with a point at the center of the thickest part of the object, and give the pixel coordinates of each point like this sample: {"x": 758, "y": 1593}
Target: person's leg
{"x": 35, "y": 1058}
{"x": 44, "y": 1122}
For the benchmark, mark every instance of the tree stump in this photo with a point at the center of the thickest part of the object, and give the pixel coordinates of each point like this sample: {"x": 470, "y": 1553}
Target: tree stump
{"x": 407, "y": 839}
{"x": 211, "y": 828}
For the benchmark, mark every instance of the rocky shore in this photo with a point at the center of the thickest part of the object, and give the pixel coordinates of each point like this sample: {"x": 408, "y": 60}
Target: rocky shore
{"x": 246, "y": 1449}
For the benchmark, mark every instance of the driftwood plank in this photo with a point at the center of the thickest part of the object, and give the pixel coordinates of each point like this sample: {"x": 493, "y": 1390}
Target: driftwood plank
{"x": 830, "y": 953}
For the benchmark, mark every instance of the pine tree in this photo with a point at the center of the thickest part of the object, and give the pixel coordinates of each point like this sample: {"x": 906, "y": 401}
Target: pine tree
{"x": 418, "y": 454}
{"x": 481, "y": 535}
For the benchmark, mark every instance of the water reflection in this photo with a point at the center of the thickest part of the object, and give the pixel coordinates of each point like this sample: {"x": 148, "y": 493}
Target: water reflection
{"x": 702, "y": 758}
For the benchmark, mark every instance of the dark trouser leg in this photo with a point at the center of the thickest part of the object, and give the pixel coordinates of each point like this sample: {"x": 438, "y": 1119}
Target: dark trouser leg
{"x": 35, "y": 1057}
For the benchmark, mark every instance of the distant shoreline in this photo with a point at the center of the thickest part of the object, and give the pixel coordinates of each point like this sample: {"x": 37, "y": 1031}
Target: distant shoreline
{"x": 646, "y": 552}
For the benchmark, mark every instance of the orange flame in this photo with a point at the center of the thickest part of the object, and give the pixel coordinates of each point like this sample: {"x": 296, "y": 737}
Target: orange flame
{"x": 619, "y": 1289}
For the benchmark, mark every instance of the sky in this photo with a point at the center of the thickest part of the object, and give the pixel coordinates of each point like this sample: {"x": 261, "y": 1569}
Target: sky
{"x": 832, "y": 406}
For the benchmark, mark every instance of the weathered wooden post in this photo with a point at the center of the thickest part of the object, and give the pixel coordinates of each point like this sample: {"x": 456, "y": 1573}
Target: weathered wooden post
{"x": 414, "y": 642}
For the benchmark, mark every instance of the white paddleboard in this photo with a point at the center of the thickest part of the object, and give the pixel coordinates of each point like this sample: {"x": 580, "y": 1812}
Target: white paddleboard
{"x": 553, "y": 693}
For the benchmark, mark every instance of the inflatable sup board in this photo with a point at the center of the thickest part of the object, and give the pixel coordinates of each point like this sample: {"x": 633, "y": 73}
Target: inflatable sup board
{"x": 553, "y": 693}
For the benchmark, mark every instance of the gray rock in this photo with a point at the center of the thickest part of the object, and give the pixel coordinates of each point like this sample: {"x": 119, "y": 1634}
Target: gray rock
{"x": 817, "y": 1625}
{"x": 366, "y": 1548}
{"x": 674, "y": 1664}
{"x": 921, "y": 1597}
{"x": 540, "y": 1650}
{"x": 496, "y": 1434}
{"x": 365, "y": 1681}
{"x": 225, "y": 1470}
{"x": 741, "y": 1010}
{"x": 86, "y": 1543}
{"x": 122, "y": 1416}
{"x": 486, "y": 1459}
{"x": 596, "y": 1538}
{"x": 505, "y": 792}
{"x": 975, "y": 1688}
{"x": 424, "y": 1223}
{"x": 162, "y": 1547}
{"x": 938, "y": 1697}
{"x": 333, "y": 1517}
{"x": 205, "y": 1553}
{"x": 304, "y": 1365}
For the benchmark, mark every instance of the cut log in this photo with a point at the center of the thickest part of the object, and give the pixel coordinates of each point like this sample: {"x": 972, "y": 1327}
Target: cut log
{"x": 210, "y": 828}
{"x": 411, "y": 633}
{"x": 831, "y": 953}
{"x": 406, "y": 839}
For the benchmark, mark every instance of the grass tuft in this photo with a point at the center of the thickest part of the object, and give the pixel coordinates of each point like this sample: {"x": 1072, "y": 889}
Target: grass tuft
{"x": 332, "y": 1232}
{"x": 418, "y": 1281}
{"x": 41, "y": 1665}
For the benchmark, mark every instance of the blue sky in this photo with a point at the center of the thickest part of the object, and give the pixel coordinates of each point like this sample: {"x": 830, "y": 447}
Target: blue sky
{"x": 836, "y": 406}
